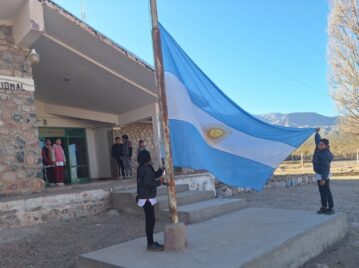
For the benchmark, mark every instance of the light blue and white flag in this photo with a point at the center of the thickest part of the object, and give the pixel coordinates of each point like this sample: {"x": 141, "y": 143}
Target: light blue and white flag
{"x": 209, "y": 131}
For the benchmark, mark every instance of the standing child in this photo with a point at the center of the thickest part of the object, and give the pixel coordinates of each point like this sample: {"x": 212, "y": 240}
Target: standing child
{"x": 116, "y": 151}
{"x": 60, "y": 162}
{"x": 322, "y": 158}
{"x": 47, "y": 156}
{"x": 147, "y": 182}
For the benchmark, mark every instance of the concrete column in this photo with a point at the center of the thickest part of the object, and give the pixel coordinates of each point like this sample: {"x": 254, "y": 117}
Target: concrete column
{"x": 19, "y": 144}
{"x": 29, "y": 23}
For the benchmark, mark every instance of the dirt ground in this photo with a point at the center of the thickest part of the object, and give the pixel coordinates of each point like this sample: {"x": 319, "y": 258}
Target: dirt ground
{"x": 338, "y": 168}
{"x": 58, "y": 244}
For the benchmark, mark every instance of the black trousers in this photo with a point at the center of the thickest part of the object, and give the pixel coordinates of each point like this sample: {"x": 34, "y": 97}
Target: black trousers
{"x": 325, "y": 195}
{"x": 150, "y": 221}
{"x": 121, "y": 167}
{"x": 48, "y": 175}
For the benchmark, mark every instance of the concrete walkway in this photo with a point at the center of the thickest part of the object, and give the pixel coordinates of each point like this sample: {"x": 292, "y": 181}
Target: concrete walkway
{"x": 253, "y": 237}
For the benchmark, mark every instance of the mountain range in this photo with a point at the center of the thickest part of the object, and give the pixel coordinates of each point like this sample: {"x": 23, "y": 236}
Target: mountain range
{"x": 329, "y": 124}
{"x": 342, "y": 145}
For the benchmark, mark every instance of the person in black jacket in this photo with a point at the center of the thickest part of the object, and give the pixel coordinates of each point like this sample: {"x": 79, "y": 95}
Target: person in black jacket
{"x": 147, "y": 182}
{"x": 127, "y": 155}
{"x": 116, "y": 152}
{"x": 322, "y": 158}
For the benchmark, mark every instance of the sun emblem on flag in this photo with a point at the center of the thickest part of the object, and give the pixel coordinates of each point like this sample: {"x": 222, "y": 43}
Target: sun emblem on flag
{"x": 215, "y": 134}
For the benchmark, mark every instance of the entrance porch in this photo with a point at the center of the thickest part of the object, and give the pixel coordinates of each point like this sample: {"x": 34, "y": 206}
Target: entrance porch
{"x": 85, "y": 89}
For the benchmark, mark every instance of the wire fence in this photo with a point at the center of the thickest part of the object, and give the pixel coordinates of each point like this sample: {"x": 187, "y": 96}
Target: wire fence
{"x": 304, "y": 158}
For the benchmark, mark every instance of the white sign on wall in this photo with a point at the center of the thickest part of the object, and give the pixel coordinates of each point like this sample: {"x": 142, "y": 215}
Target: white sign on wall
{"x": 16, "y": 83}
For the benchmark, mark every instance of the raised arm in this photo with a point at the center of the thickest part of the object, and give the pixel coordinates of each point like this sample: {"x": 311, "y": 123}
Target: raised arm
{"x": 317, "y": 136}
{"x": 149, "y": 179}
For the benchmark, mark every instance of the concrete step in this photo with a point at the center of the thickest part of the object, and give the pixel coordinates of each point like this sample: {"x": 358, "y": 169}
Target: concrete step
{"x": 252, "y": 237}
{"x": 124, "y": 200}
{"x": 204, "y": 210}
{"x": 179, "y": 188}
{"x": 184, "y": 198}
{"x": 160, "y": 190}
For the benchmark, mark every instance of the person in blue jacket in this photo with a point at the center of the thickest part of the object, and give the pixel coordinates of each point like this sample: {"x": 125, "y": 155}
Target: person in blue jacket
{"x": 322, "y": 158}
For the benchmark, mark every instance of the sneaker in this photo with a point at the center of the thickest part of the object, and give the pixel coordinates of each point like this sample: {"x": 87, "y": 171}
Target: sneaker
{"x": 330, "y": 212}
{"x": 155, "y": 247}
{"x": 322, "y": 210}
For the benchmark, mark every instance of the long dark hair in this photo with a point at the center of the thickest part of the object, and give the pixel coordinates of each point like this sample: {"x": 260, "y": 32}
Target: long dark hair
{"x": 144, "y": 157}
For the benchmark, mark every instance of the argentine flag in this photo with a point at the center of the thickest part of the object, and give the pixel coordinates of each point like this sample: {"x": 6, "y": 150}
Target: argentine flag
{"x": 209, "y": 131}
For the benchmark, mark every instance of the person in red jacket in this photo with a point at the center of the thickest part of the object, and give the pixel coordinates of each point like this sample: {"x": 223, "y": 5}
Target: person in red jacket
{"x": 47, "y": 162}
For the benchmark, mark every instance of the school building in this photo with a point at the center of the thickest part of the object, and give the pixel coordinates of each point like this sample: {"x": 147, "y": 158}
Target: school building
{"x": 60, "y": 78}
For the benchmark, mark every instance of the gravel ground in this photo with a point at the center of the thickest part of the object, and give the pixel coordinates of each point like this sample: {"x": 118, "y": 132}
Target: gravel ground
{"x": 57, "y": 244}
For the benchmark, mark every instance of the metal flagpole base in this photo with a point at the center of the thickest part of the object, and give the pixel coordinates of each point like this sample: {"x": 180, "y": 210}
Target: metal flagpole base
{"x": 175, "y": 237}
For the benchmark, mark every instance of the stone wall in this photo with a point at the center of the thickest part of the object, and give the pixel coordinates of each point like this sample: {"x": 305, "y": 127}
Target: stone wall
{"x": 31, "y": 211}
{"x": 198, "y": 181}
{"x": 135, "y": 132}
{"x": 19, "y": 145}
{"x": 290, "y": 180}
{"x": 274, "y": 182}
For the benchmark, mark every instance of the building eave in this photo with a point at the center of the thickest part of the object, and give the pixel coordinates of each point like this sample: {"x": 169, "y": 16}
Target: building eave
{"x": 83, "y": 25}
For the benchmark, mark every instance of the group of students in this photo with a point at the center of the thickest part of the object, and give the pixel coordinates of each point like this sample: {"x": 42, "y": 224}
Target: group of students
{"x": 148, "y": 179}
{"x": 121, "y": 151}
{"x": 54, "y": 162}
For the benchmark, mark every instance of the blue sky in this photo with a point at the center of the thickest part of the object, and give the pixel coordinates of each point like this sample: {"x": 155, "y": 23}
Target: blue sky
{"x": 267, "y": 55}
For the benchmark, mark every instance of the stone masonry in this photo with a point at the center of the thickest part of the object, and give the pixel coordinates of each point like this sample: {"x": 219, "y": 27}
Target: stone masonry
{"x": 19, "y": 145}
{"x": 40, "y": 209}
{"x": 135, "y": 132}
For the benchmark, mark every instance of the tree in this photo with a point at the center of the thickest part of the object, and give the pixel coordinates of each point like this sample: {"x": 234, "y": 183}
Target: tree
{"x": 343, "y": 52}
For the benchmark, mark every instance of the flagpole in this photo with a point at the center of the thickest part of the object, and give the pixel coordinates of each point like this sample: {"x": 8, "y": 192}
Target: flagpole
{"x": 160, "y": 83}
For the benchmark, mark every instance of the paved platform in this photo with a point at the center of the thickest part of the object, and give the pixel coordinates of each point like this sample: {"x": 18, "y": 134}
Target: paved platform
{"x": 253, "y": 237}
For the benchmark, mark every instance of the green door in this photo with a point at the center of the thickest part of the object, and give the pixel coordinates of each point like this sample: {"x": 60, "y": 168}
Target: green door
{"x": 77, "y": 161}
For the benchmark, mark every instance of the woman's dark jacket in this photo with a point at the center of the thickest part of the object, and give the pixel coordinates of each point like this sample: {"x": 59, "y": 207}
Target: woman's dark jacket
{"x": 146, "y": 181}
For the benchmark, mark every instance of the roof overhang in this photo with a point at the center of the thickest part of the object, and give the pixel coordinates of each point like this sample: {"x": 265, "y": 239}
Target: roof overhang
{"x": 79, "y": 67}
{"x": 9, "y": 9}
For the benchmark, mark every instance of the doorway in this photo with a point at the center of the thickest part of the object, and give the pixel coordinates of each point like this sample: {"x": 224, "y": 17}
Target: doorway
{"x": 75, "y": 147}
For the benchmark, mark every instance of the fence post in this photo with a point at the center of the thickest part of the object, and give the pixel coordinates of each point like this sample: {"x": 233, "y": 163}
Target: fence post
{"x": 302, "y": 160}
